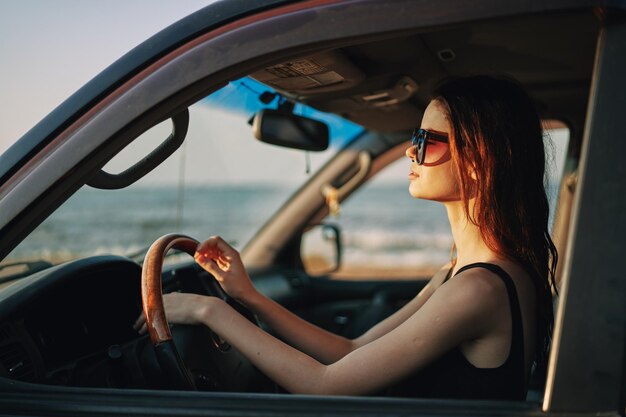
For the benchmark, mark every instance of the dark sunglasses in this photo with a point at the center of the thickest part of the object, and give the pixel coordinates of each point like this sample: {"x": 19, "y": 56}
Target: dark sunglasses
{"x": 423, "y": 139}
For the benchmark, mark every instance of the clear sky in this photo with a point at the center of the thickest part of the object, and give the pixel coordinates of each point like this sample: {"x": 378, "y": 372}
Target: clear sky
{"x": 50, "y": 48}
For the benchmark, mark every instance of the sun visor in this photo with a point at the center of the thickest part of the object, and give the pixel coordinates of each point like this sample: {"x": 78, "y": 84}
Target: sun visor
{"x": 320, "y": 73}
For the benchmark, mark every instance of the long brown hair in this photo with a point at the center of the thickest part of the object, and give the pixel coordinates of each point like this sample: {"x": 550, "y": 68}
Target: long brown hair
{"x": 497, "y": 136}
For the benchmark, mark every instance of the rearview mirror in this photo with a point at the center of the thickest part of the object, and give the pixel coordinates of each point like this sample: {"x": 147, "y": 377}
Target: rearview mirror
{"x": 289, "y": 130}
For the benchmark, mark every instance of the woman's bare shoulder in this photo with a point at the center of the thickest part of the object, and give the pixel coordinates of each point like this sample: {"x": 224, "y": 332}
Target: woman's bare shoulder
{"x": 470, "y": 302}
{"x": 479, "y": 290}
{"x": 482, "y": 280}
{"x": 479, "y": 282}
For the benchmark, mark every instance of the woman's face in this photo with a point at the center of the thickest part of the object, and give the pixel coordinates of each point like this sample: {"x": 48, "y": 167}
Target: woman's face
{"x": 435, "y": 179}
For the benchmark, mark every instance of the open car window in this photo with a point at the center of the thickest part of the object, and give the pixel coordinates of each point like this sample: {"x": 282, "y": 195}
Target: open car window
{"x": 221, "y": 181}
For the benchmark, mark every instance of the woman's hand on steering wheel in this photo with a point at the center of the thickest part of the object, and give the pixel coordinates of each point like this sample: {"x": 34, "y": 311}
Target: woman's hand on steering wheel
{"x": 181, "y": 308}
{"x": 224, "y": 262}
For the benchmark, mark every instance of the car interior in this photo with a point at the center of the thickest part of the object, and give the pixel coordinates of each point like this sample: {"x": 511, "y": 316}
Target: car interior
{"x": 51, "y": 333}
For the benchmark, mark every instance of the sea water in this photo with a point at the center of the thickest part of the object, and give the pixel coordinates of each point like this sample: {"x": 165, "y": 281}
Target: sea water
{"x": 381, "y": 225}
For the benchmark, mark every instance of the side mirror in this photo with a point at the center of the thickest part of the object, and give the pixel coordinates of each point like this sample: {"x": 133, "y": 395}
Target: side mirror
{"x": 320, "y": 249}
{"x": 288, "y": 130}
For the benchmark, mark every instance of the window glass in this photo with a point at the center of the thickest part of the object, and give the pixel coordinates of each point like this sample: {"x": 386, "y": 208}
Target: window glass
{"x": 221, "y": 181}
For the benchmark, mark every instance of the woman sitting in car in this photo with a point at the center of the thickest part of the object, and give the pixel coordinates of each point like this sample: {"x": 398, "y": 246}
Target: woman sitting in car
{"x": 481, "y": 323}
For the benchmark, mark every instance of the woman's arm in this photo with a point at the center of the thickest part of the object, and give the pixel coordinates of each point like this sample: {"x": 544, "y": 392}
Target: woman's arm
{"x": 458, "y": 311}
{"x": 324, "y": 346}
{"x": 223, "y": 262}
{"x": 405, "y": 312}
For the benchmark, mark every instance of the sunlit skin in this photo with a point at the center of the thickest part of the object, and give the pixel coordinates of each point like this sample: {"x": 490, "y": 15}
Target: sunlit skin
{"x": 437, "y": 181}
{"x": 471, "y": 310}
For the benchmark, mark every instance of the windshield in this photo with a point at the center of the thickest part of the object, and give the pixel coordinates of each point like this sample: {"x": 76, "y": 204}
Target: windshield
{"x": 221, "y": 181}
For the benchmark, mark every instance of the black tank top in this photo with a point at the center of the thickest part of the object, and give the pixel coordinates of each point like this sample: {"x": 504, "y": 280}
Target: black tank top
{"x": 453, "y": 376}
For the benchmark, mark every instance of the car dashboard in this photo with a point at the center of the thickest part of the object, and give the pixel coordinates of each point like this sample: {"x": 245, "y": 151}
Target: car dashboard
{"x": 71, "y": 324}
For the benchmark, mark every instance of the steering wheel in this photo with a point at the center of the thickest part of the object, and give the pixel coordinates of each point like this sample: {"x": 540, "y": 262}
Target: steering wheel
{"x": 230, "y": 369}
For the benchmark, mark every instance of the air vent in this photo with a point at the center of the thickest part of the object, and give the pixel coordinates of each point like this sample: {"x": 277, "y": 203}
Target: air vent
{"x": 16, "y": 362}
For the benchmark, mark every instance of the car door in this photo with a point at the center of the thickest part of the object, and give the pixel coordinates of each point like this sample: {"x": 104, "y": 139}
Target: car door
{"x": 586, "y": 375}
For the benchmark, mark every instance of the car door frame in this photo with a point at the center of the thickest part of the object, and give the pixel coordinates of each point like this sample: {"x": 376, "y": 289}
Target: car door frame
{"x": 591, "y": 315}
{"x": 64, "y": 164}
